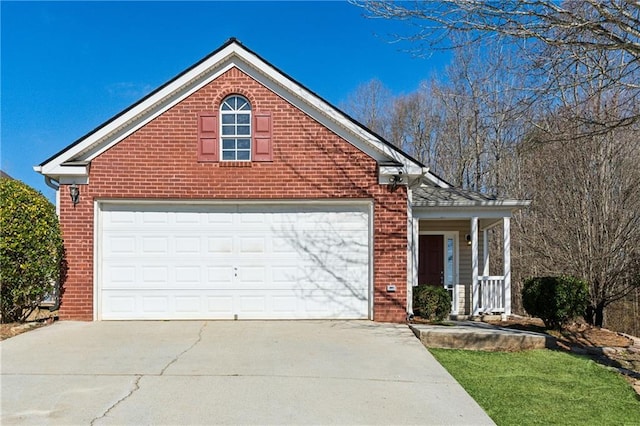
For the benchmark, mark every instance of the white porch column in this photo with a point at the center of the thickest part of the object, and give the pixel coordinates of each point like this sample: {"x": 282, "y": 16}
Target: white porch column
{"x": 507, "y": 264}
{"x": 485, "y": 252}
{"x": 475, "y": 300}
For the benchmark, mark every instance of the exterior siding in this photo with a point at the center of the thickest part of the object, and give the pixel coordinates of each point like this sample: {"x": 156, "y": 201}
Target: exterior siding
{"x": 463, "y": 227}
{"x": 159, "y": 162}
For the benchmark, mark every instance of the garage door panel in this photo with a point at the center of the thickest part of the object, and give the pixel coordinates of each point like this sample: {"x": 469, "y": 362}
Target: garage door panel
{"x": 252, "y": 245}
{"x": 155, "y": 304}
{"x": 189, "y": 245}
{"x": 220, "y": 245}
{"x": 120, "y": 304}
{"x": 194, "y": 218}
{"x": 219, "y": 306}
{"x": 121, "y": 245}
{"x": 154, "y": 245}
{"x": 116, "y": 217}
{"x": 249, "y": 261}
{"x": 220, "y": 275}
{"x": 188, "y": 304}
{"x": 188, "y": 275}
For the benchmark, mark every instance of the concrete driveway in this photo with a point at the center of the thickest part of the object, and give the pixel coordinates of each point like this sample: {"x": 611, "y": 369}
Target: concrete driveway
{"x": 215, "y": 372}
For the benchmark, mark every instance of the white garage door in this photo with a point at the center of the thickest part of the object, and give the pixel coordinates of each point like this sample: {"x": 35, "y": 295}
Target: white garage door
{"x": 226, "y": 262}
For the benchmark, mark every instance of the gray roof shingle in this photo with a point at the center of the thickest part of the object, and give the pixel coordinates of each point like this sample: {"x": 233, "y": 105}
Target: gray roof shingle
{"x": 429, "y": 195}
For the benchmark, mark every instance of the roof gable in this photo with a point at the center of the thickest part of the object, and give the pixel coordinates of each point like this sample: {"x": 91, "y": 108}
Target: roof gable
{"x": 72, "y": 162}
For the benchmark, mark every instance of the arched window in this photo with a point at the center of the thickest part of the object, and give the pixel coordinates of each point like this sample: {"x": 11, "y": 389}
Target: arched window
{"x": 235, "y": 122}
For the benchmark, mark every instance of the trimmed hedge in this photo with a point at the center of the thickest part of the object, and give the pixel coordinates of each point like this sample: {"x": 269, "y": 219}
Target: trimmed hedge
{"x": 30, "y": 249}
{"x": 431, "y": 302}
{"x": 555, "y": 300}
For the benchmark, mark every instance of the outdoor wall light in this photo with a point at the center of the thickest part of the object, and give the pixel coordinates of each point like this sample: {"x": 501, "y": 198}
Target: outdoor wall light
{"x": 394, "y": 181}
{"x": 74, "y": 192}
{"x": 468, "y": 238}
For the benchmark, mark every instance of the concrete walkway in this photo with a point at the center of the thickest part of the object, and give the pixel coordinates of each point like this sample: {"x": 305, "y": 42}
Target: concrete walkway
{"x": 251, "y": 372}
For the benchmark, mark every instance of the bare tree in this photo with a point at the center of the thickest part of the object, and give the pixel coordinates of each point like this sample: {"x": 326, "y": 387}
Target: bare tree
{"x": 414, "y": 123}
{"x": 554, "y": 39}
{"x": 371, "y": 104}
{"x": 610, "y": 25}
{"x": 585, "y": 216}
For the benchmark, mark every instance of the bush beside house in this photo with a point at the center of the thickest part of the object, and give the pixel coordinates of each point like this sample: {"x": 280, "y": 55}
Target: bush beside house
{"x": 31, "y": 249}
{"x": 555, "y": 300}
{"x": 431, "y": 302}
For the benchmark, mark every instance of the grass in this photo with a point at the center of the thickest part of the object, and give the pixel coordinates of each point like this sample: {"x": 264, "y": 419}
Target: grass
{"x": 542, "y": 387}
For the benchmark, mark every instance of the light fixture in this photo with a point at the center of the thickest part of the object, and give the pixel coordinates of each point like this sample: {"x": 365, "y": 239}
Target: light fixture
{"x": 468, "y": 237}
{"x": 74, "y": 192}
{"x": 394, "y": 181}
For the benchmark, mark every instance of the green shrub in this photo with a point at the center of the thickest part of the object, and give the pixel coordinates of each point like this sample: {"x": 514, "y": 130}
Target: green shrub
{"x": 30, "y": 249}
{"x": 431, "y": 302}
{"x": 555, "y": 300}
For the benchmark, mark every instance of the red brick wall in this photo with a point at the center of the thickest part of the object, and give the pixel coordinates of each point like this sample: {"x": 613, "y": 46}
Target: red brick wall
{"x": 159, "y": 162}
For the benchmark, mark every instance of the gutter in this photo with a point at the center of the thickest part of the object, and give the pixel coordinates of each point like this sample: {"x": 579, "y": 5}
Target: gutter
{"x": 52, "y": 183}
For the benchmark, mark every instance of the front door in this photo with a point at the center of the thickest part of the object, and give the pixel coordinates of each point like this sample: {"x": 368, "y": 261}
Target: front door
{"x": 431, "y": 260}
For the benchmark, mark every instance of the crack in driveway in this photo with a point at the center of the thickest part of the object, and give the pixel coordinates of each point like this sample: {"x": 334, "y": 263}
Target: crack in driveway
{"x": 136, "y": 384}
{"x": 173, "y": 361}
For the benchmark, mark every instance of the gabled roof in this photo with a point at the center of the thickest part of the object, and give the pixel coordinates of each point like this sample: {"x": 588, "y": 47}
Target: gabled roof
{"x": 73, "y": 161}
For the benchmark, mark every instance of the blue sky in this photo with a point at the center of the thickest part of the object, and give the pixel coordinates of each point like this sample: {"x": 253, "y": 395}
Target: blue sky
{"x": 66, "y": 67}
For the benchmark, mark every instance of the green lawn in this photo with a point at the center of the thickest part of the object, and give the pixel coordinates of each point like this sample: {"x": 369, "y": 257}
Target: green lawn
{"x": 542, "y": 387}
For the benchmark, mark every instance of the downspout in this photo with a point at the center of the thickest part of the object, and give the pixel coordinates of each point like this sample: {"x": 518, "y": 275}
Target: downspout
{"x": 54, "y": 184}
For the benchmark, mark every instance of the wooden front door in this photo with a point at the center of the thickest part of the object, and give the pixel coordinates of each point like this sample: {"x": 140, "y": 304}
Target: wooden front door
{"x": 431, "y": 260}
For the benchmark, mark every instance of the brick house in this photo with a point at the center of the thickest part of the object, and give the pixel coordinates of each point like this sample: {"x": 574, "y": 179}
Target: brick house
{"x": 234, "y": 192}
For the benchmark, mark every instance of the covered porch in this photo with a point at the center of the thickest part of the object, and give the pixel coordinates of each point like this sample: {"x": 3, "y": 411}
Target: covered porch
{"x": 450, "y": 246}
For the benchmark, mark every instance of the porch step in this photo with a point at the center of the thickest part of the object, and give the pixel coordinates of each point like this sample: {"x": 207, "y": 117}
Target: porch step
{"x": 479, "y": 336}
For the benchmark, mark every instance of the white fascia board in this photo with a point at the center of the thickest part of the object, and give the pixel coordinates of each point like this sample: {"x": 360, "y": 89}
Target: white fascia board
{"x": 460, "y": 213}
{"x": 58, "y": 170}
{"x": 437, "y": 181}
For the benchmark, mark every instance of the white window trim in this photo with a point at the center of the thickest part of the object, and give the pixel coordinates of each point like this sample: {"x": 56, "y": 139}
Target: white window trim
{"x": 236, "y": 136}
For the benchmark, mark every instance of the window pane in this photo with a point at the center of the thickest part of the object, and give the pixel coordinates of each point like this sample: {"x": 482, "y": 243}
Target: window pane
{"x": 228, "y": 118}
{"x": 243, "y": 118}
{"x": 228, "y": 144}
{"x": 226, "y": 106}
{"x": 449, "y": 265}
{"x": 228, "y": 130}
{"x": 243, "y": 130}
{"x": 228, "y": 155}
{"x": 243, "y": 155}
{"x": 244, "y": 143}
{"x": 244, "y": 106}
